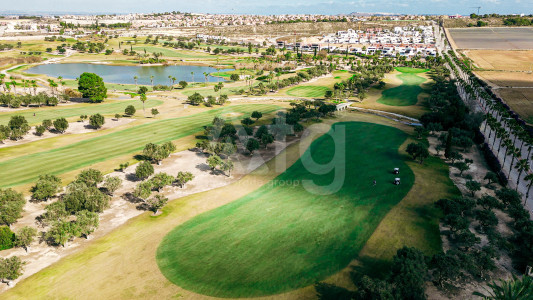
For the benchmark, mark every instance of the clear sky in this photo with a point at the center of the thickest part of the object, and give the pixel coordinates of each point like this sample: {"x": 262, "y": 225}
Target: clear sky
{"x": 272, "y": 7}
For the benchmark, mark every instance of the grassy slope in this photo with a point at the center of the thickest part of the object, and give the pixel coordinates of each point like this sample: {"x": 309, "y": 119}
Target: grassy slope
{"x": 25, "y": 169}
{"x": 53, "y": 113}
{"x": 407, "y": 93}
{"x": 308, "y": 91}
{"x": 280, "y": 238}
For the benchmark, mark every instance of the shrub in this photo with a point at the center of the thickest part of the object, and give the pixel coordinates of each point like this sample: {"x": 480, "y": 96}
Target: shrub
{"x": 144, "y": 170}
{"x": 96, "y": 121}
{"x": 7, "y": 238}
{"x": 61, "y": 124}
{"x": 39, "y": 130}
{"x": 130, "y": 110}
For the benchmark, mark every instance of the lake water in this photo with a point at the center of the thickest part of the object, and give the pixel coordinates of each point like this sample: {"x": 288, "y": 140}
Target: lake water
{"x": 125, "y": 74}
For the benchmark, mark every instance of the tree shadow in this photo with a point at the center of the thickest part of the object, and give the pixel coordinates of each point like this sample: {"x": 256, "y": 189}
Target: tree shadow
{"x": 130, "y": 198}
{"x": 372, "y": 267}
{"x": 143, "y": 206}
{"x": 326, "y": 291}
{"x": 203, "y": 167}
{"x": 141, "y": 157}
{"x": 132, "y": 177}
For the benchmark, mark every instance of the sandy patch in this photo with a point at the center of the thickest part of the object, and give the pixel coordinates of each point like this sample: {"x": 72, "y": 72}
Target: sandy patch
{"x": 232, "y": 115}
{"x": 73, "y": 128}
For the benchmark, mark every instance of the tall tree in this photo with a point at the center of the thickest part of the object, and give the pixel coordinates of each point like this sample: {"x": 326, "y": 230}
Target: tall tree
{"x": 92, "y": 86}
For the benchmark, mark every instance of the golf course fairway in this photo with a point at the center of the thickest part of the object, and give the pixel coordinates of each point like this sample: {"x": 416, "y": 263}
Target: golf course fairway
{"x": 282, "y": 236}
{"x": 407, "y": 93}
{"x": 308, "y": 91}
{"x": 27, "y": 168}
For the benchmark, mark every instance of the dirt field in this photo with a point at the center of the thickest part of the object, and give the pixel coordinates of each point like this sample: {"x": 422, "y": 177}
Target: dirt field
{"x": 520, "y": 100}
{"x": 508, "y": 79}
{"x": 502, "y": 60}
{"x": 509, "y": 72}
{"x": 502, "y": 38}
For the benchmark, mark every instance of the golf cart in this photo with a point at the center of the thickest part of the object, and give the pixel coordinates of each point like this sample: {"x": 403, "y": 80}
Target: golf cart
{"x": 396, "y": 171}
{"x": 396, "y": 181}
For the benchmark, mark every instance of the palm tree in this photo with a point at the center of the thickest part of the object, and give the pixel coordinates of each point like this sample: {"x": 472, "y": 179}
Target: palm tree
{"x": 143, "y": 99}
{"x": 152, "y": 80}
{"x": 521, "y": 165}
{"x": 34, "y": 85}
{"x": 528, "y": 177}
{"x": 135, "y": 78}
{"x": 173, "y": 81}
{"x": 205, "y": 76}
{"x": 513, "y": 289}
{"x": 508, "y": 144}
{"x": 14, "y": 84}
{"x": 192, "y": 75}
{"x": 62, "y": 82}
{"x": 170, "y": 79}
{"x": 2, "y": 76}
{"x": 515, "y": 153}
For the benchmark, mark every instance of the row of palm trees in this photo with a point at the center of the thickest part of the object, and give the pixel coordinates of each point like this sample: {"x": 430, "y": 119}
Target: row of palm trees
{"x": 506, "y": 132}
{"x": 30, "y": 85}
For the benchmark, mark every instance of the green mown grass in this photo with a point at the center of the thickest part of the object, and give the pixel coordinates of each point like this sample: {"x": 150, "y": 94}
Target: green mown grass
{"x": 411, "y": 70}
{"x": 284, "y": 236}
{"x": 26, "y": 169}
{"x": 405, "y": 94}
{"x": 171, "y": 52}
{"x": 53, "y": 113}
{"x": 308, "y": 91}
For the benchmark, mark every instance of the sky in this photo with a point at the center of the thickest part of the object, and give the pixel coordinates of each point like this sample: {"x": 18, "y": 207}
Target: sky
{"x": 463, "y": 7}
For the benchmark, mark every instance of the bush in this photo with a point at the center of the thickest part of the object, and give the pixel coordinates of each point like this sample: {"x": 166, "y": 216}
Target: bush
{"x": 130, "y": 110}
{"x": 11, "y": 206}
{"x": 47, "y": 124}
{"x": 144, "y": 170}
{"x": 96, "y": 121}
{"x": 7, "y": 238}
{"x": 39, "y": 130}
{"x": 61, "y": 124}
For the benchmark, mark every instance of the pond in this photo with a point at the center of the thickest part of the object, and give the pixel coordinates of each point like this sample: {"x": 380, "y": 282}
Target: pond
{"x": 125, "y": 74}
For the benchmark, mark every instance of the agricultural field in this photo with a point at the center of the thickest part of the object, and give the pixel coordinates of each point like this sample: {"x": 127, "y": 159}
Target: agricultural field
{"x": 502, "y": 58}
{"x": 502, "y": 38}
{"x": 520, "y": 101}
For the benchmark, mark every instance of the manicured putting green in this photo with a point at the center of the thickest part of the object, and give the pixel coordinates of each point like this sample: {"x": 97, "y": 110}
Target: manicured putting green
{"x": 407, "y": 93}
{"x": 308, "y": 91}
{"x": 53, "y": 113}
{"x": 27, "y": 168}
{"x": 283, "y": 236}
